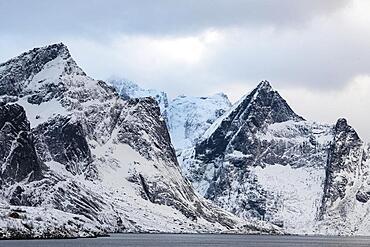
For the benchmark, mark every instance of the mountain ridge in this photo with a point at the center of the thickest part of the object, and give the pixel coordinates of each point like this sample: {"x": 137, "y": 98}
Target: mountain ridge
{"x": 271, "y": 133}
{"x": 187, "y": 117}
{"x": 100, "y": 161}
{"x": 109, "y": 165}
{"x": 261, "y": 160}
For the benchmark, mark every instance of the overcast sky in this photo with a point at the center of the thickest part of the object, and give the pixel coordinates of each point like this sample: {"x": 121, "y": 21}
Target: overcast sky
{"x": 315, "y": 53}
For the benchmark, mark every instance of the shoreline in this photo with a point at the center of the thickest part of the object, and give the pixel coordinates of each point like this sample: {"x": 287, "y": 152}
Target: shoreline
{"x": 108, "y": 235}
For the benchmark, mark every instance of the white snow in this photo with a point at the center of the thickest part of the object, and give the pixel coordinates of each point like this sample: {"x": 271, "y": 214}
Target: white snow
{"x": 48, "y": 75}
{"x": 294, "y": 191}
{"x": 118, "y": 164}
{"x": 297, "y": 192}
{"x": 347, "y": 215}
{"x": 187, "y": 117}
{"x": 38, "y": 114}
{"x": 292, "y": 131}
{"x": 219, "y": 120}
{"x": 40, "y": 222}
{"x": 132, "y": 90}
{"x": 190, "y": 117}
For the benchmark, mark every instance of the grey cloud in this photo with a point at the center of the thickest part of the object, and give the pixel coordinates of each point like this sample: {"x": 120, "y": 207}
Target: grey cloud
{"x": 316, "y": 56}
{"x": 96, "y": 17}
{"x": 301, "y": 46}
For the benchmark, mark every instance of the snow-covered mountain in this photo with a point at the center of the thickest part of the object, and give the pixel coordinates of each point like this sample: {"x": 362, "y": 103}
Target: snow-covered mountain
{"x": 128, "y": 89}
{"x": 187, "y": 117}
{"x": 78, "y": 160}
{"x": 260, "y": 160}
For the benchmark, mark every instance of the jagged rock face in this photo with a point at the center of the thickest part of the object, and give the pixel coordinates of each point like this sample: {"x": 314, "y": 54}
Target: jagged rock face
{"x": 142, "y": 135}
{"x": 187, "y": 117}
{"x": 263, "y": 106}
{"x": 142, "y": 128}
{"x": 260, "y": 160}
{"x": 16, "y": 72}
{"x": 346, "y": 192}
{"x": 346, "y": 144}
{"x": 64, "y": 141}
{"x": 130, "y": 179}
{"x": 15, "y": 116}
{"x": 18, "y": 156}
{"x": 128, "y": 90}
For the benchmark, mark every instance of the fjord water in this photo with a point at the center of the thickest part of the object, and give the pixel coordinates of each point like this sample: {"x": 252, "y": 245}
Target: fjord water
{"x": 194, "y": 240}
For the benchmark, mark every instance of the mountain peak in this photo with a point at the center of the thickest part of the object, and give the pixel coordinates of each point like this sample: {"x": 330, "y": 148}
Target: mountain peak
{"x": 341, "y": 124}
{"x": 265, "y": 85}
{"x": 345, "y": 160}
{"x": 20, "y": 72}
{"x": 40, "y": 54}
{"x": 268, "y": 105}
{"x": 59, "y": 48}
{"x": 262, "y": 106}
{"x": 254, "y": 112}
{"x": 345, "y": 132}
{"x": 222, "y": 95}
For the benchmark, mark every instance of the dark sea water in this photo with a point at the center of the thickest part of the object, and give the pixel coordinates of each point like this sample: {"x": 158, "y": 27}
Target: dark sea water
{"x": 192, "y": 240}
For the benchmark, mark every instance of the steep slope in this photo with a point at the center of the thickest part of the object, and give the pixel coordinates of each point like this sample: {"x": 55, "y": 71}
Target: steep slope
{"x": 260, "y": 160}
{"x": 345, "y": 206}
{"x": 105, "y": 163}
{"x": 187, "y": 117}
{"x": 17, "y": 153}
{"x": 263, "y": 106}
{"x": 128, "y": 89}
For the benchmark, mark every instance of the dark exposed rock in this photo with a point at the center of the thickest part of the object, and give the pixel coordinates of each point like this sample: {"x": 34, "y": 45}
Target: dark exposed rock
{"x": 17, "y": 151}
{"x": 64, "y": 141}
{"x": 21, "y": 68}
{"x": 14, "y": 215}
{"x": 237, "y": 132}
{"x": 261, "y": 107}
{"x": 14, "y": 115}
{"x": 345, "y": 154}
{"x": 363, "y": 196}
{"x": 47, "y": 92}
{"x": 150, "y": 136}
{"x": 16, "y": 197}
{"x": 109, "y": 89}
